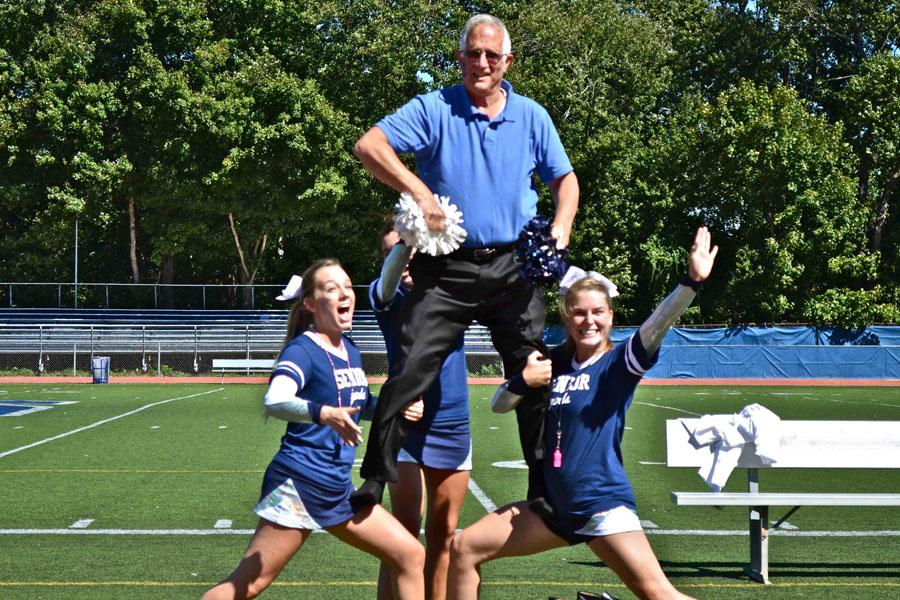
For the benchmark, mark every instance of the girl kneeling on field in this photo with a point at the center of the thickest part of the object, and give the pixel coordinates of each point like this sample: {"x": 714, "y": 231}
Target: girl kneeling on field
{"x": 318, "y": 387}
{"x": 589, "y": 497}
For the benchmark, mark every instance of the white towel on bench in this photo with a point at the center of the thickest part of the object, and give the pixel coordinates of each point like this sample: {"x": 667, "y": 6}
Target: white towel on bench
{"x": 726, "y": 435}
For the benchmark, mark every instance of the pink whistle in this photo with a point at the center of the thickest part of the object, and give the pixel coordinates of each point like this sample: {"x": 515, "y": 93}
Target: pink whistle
{"x": 557, "y": 458}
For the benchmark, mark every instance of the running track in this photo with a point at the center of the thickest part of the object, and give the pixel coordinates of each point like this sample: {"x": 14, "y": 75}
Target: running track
{"x": 830, "y": 382}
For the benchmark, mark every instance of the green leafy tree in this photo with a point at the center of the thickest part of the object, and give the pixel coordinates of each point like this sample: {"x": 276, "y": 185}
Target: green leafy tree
{"x": 875, "y": 94}
{"x": 775, "y": 184}
{"x": 60, "y": 159}
{"x": 599, "y": 69}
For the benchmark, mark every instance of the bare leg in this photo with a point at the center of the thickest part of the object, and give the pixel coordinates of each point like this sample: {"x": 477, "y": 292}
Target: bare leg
{"x": 631, "y": 557}
{"x": 446, "y": 493}
{"x": 407, "y": 505}
{"x": 510, "y": 531}
{"x": 375, "y": 531}
{"x": 269, "y": 551}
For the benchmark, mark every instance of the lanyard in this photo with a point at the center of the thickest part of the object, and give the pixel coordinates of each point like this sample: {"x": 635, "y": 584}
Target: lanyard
{"x": 557, "y": 454}
{"x": 319, "y": 343}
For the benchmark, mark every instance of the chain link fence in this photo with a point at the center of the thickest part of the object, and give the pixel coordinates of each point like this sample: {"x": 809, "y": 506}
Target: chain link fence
{"x": 142, "y": 296}
{"x": 184, "y": 350}
{"x": 168, "y": 329}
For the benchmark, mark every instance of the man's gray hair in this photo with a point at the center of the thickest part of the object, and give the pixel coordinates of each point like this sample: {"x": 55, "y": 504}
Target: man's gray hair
{"x": 483, "y": 19}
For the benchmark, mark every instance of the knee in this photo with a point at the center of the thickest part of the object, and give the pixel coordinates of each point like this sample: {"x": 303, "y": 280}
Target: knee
{"x": 462, "y": 554}
{"x": 441, "y": 533}
{"x": 441, "y": 540}
{"x": 411, "y": 558}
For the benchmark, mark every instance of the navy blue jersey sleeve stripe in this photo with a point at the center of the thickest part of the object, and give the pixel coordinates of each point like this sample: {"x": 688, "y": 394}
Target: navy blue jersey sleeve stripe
{"x": 291, "y": 370}
{"x": 636, "y": 359}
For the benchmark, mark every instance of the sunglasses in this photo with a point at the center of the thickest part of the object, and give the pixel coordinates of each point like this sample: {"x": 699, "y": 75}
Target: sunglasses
{"x": 492, "y": 57}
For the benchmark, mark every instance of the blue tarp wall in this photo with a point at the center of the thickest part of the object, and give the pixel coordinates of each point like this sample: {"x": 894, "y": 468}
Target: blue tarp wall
{"x": 771, "y": 352}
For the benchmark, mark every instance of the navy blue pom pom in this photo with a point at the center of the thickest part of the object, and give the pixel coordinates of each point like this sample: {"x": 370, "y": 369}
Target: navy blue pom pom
{"x": 542, "y": 263}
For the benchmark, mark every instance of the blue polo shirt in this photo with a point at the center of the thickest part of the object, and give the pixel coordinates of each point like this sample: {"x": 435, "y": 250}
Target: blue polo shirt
{"x": 485, "y": 166}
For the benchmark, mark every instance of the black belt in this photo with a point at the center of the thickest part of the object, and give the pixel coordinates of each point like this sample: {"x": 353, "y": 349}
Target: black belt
{"x": 480, "y": 254}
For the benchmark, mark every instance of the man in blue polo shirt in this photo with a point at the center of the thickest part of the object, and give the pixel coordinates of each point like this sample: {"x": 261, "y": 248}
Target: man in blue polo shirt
{"x": 481, "y": 144}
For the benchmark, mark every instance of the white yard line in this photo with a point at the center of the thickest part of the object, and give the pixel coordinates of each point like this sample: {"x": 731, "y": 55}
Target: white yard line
{"x": 479, "y": 494}
{"x": 685, "y": 532}
{"x": 126, "y": 531}
{"x": 774, "y": 532}
{"x": 104, "y": 421}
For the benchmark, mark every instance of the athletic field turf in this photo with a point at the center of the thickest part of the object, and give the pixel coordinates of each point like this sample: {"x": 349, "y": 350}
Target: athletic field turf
{"x": 145, "y": 491}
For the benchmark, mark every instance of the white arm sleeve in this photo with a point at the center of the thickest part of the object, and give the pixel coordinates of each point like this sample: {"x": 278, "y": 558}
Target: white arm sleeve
{"x": 504, "y": 400}
{"x": 282, "y": 402}
{"x": 391, "y": 272}
{"x": 655, "y": 327}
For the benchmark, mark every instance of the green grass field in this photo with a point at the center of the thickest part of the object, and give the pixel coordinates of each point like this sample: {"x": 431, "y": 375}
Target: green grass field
{"x": 157, "y": 467}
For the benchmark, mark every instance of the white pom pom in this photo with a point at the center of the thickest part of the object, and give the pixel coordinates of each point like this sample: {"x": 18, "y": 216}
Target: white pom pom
{"x": 410, "y": 224}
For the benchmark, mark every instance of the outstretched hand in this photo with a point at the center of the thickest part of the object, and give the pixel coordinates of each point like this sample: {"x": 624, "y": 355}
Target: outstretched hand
{"x": 339, "y": 418}
{"x": 702, "y": 256}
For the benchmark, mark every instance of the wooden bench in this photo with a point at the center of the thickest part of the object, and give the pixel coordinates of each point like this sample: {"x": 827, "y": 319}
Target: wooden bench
{"x": 804, "y": 445}
{"x": 242, "y": 365}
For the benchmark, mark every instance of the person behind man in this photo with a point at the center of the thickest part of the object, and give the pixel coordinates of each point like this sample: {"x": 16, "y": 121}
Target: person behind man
{"x": 436, "y": 456}
{"x": 479, "y": 143}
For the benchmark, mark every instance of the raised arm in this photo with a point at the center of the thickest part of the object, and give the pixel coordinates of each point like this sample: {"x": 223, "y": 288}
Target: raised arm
{"x": 391, "y": 272}
{"x": 565, "y": 192}
{"x": 700, "y": 264}
{"x": 377, "y": 156}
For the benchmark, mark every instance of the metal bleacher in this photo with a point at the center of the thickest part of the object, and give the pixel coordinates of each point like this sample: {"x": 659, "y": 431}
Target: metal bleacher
{"x": 189, "y": 338}
{"x": 120, "y": 330}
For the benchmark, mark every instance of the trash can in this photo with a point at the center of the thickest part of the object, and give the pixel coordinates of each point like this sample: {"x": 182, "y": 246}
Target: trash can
{"x": 100, "y": 369}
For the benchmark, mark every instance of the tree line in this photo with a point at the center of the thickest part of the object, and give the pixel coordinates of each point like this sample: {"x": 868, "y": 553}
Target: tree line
{"x": 210, "y": 141}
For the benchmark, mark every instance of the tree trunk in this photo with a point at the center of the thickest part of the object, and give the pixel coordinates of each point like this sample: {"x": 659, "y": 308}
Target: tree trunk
{"x": 132, "y": 237}
{"x": 248, "y": 268}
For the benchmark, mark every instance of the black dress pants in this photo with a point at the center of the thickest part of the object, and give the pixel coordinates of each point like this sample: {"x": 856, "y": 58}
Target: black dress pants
{"x": 450, "y": 292}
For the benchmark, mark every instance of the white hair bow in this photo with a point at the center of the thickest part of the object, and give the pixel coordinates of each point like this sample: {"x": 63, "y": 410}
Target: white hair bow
{"x": 576, "y": 274}
{"x": 292, "y": 290}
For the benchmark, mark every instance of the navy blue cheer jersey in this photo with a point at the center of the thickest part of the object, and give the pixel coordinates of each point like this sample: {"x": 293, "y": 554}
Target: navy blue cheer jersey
{"x": 586, "y": 415}
{"x": 323, "y": 378}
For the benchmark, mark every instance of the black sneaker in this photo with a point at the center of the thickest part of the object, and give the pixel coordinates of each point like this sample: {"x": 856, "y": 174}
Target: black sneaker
{"x": 368, "y": 494}
{"x": 590, "y": 596}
